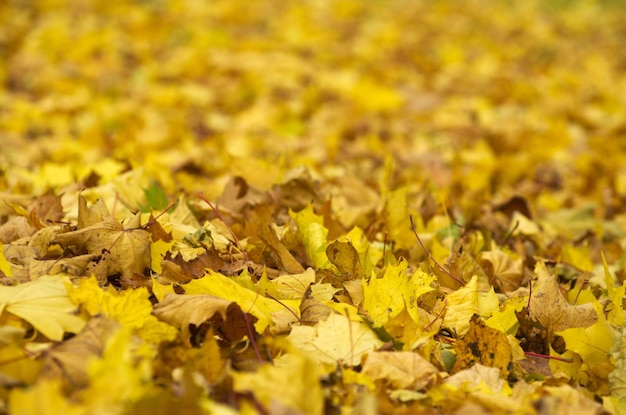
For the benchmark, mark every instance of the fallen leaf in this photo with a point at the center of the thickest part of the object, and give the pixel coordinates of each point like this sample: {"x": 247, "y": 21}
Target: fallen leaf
{"x": 345, "y": 257}
{"x": 467, "y": 301}
{"x": 302, "y": 394}
{"x": 189, "y": 312}
{"x": 549, "y": 308}
{"x": 336, "y": 340}
{"x": 124, "y": 251}
{"x": 486, "y": 346}
{"x": 69, "y": 360}
{"x": 130, "y": 308}
{"x": 43, "y": 303}
{"x": 400, "y": 370}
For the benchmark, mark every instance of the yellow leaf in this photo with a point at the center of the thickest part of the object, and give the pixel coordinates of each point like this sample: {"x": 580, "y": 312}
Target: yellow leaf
{"x": 505, "y": 319}
{"x": 5, "y": 266}
{"x": 44, "y": 398}
{"x": 131, "y": 308}
{"x": 615, "y": 294}
{"x": 250, "y": 301}
{"x": 385, "y": 297}
{"x": 276, "y": 384}
{"x": 335, "y": 340}
{"x": 313, "y": 234}
{"x": 483, "y": 345}
{"x": 119, "y": 378}
{"x": 467, "y": 301}
{"x": 161, "y": 290}
{"x": 400, "y": 370}
{"x": 158, "y": 249}
{"x": 126, "y": 251}
{"x": 551, "y": 309}
{"x": 382, "y": 297}
{"x": 398, "y": 218}
{"x": 45, "y": 304}
{"x": 593, "y": 344}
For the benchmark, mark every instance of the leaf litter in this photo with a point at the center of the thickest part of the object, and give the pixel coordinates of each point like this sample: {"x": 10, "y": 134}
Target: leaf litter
{"x": 297, "y": 207}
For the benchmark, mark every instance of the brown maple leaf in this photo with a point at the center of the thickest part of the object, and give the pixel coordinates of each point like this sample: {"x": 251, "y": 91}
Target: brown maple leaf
{"x": 549, "y": 311}
{"x": 124, "y": 251}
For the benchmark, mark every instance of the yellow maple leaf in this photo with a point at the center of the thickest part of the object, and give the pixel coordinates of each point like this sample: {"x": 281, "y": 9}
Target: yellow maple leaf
{"x": 250, "y": 301}
{"x": 313, "y": 233}
{"x": 43, "y": 303}
{"x": 5, "y": 266}
{"x": 335, "y": 340}
{"x": 121, "y": 376}
{"x": 615, "y": 294}
{"x": 44, "y": 398}
{"x": 593, "y": 344}
{"x": 302, "y": 392}
{"x": 131, "y": 308}
{"x": 385, "y": 297}
{"x": 467, "y": 301}
{"x": 126, "y": 251}
{"x": 400, "y": 370}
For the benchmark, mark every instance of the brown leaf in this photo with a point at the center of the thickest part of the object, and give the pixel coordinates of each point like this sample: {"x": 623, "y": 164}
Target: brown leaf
{"x": 126, "y": 251}
{"x": 88, "y": 216}
{"x": 484, "y": 345}
{"x": 312, "y": 310}
{"x": 194, "y": 315}
{"x": 345, "y": 257}
{"x": 44, "y": 209}
{"x": 69, "y": 360}
{"x": 400, "y": 370}
{"x": 549, "y": 308}
{"x": 286, "y": 261}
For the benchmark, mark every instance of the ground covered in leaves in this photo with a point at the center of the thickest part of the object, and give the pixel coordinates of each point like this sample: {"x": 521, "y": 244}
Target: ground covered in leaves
{"x": 307, "y": 207}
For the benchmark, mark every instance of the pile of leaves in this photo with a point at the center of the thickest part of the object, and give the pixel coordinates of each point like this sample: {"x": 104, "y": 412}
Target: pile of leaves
{"x": 307, "y": 207}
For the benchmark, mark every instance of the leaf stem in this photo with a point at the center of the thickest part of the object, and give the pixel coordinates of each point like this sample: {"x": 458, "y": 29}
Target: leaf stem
{"x": 445, "y": 271}
{"x": 544, "y": 356}
{"x": 220, "y": 217}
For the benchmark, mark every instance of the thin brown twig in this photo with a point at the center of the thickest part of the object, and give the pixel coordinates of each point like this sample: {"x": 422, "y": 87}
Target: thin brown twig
{"x": 270, "y": 296}
{"x": 441, "y": 267}
{"x": 219, "y": 215}
{"x": 544, "y": 356}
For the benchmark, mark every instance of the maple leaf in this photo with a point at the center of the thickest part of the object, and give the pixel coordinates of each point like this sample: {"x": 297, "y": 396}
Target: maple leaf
{"x": 345, "y": 257}
{"x": 549, "y": 308}
{"x": 593, "y": 344}
{"x": 313, "y": 233}
{"x": 69, "y": 360}
{"x": 221, "y": 286}
{"x": 130, "y": 308}
{"x": 303, "y": 393}
{"x": 43, "y": 303}
{"x": 400, "y": 370}
{"x": 386, "y": 296}
{"x": 189, "y": 312}
{"x": 335, "y": 340}
{"x": 486, "y": 346}
{"x": 467, "y": 301}
{"x": 124, "y": 251}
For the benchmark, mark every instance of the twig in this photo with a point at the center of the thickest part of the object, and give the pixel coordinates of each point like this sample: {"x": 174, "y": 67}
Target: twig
{"x": 219, "y": 215}
{"x": 544, "y": 356}
{"x": 445, "y": 271}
